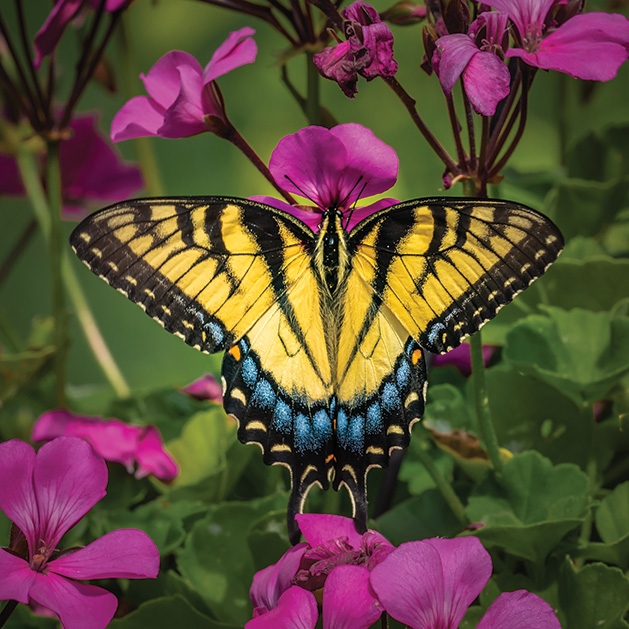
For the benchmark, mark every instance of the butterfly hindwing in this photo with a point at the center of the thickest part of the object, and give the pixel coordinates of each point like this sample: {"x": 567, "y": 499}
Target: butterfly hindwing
{"x": 444, "y": 267}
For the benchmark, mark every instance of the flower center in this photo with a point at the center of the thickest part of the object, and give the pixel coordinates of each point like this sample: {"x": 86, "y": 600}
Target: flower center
{"x": 532, "y": 37}
{"x": 41, "y": 556}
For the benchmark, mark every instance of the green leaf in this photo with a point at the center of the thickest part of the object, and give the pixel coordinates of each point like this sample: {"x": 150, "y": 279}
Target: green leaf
{"x": 584, "y": 354}
{"x": 415, "y": 474}
{"x": 216, "y": 559}
{"x": 533, "y": 506}
{"x": 594, "y": 596}
{"x": 427, "y": 515}
{"x": 165, "y": 613}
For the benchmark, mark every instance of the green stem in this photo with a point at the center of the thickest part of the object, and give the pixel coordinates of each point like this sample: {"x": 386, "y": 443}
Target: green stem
{"x": 485, "y": 424}
{"x": 27, "y": 163}
{"x": 9, "y": 608}
{"x": 444, "y": 487}
{"x": 313, "y": 107}
{"x": 54, "y": 248}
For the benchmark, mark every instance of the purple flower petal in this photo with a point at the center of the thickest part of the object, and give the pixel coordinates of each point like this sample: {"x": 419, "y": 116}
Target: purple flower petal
{"x": 10, "y": 179}
{"x": 348, "y": 602}
{"x": 296, "y": 609}
{"x": 431, "y": 583}
{"x": 318, "y": 529}
{"x": 78, "y": 605}
{"x": 519, "y": 610}
{"x": 591, "y": 46}
{"x": 237, "y": 50}
{"x": 152, "y": 456}
{"x": 16, "y": 577}
{"x": 361, "y": 12}
{"x": 17, "y": 494}
{"x": 378, "y": 40}
{"x": 207, "y": 387}
{"x": 528, "y": 15}
{"x": 137, "y": 118}
{"x": 91, "y": 170}
{"x": 360, "y": 213}
{"x": 337, "y": 63}
{"x": 271, "y": 582}
{"x": 486, "y": 80}
{"x": 451, "y": 56}
{"x": 311, "y": 217}
{"x": 69, "y": 479}
{"x": 121, "y": 554}
{"x": 50, "y": 33}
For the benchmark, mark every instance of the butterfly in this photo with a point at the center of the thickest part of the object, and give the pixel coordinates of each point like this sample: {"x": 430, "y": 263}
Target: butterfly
{"x": 324, "y": 333}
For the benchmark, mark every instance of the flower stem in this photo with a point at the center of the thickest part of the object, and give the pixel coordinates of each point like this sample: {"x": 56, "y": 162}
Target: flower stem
{"x": 485, "y": 424}
{"x": 59, "y": 313}
{"x": 9, "y": 608}
{"x": 444, "y": 487}
{"x": 27, "y": 163}
{"x": 313, "y": 107}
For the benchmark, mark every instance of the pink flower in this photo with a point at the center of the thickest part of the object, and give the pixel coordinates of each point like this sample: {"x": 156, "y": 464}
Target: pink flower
{"x": 113, "y": 440}
{"x": 333, "y": 168}
{"x": 431, "y": 583}
{"x": 183, "y": 97}
{"x": 591, "y": 46}
{"x": 205, "y": 388}
{"x": 485, "y": 75}
{"x": 62, "y": 14}
{"x": 335, "y": 558}
{"x": 460, "y": 358}
{"x": 368, "y": 50}
{"x": 45, "y": 495}
{"x": 90, "y": 171}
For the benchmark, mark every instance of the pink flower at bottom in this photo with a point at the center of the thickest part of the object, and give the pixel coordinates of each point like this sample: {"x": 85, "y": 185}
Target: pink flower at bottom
{"x": 113, "y": 440}
{"x": 45, "y": 495}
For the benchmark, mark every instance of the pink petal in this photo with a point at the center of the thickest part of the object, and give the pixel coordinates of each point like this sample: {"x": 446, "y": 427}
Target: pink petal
{"x": 296, "y": 609}
{"x": 271, "y": 582}
{"x": 207, "y": 387}
{"x": 451, "y": 56}
{"x": 121, "y": 554}
{"x": 10, "y": 179}
{"x": 524, "y": 12}
{"x": 50, "y": 33}
{"x": 311, "y": 218}
{"x": 318, "y": 529}
{"x": 153, "y": 458}
{"x": 16, "y": 578}
{"x": 590, "y": 46}
{"x": 431, "y": 583}
{"x": 185, "y": 116}
{"x": 338, "y": 64}
{"x": 138, "y": 117}
{"x": 78, "y": 605}
{"x": 361, "y": 12}
{"x": 486, "y": 80}
{"x": 237, "y": 50}
{"x": 360, "y": 213}
{"x": 348, "y": 602}
{"x": 368, "y": 157}
{"x": 91, "y": 169}
{"x": 17, "y": 494}
{"x": 114, "y": 5}
{"x": 163, "y": 80}
{"x": 69, "y": 478}
{"x": 519, "y": 610}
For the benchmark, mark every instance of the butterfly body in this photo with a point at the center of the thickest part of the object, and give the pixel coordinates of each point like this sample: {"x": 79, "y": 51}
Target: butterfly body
{"x": 323, "y": 332}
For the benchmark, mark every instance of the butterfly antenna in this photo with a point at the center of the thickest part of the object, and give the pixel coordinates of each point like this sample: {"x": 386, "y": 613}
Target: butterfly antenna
{"x": 301, "y": 192}
{"x": 360, "y": 194}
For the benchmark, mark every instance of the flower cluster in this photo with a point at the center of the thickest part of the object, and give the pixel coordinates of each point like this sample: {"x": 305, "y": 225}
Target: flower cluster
{"x": 424, "y": 585}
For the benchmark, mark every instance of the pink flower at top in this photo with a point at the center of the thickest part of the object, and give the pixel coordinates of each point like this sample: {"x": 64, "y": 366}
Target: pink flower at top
{"x": 183, "y": 96}
{"x": 206, "y": 387}
{"x": 431, "y": 583}
{"x": 368, "y": 50}
{"x": 113, "y": 440}
{"x": 590, "y": 46}
{"x": 90, "y": 171}
{"x": 336, "y": 558}
{"x": 45, "y": 495}
{"x": 333, "y": 168}
{"x": 62, "y": 14}
{"x": 485, "y": 75}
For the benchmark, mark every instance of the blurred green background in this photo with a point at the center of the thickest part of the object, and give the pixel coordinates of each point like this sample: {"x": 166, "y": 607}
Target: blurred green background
{"x": 562, "y": 111}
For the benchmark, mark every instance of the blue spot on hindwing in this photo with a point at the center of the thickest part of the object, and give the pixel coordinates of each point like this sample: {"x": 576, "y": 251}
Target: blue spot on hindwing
{"x": 322, "y": 425}
{"x": 216, "y": 332}
{"x": 264, "y": 395}
{"x": 249, "y": 371}
{"x": 374, "y": 419}
{"x": 403, "y": 375}
{"x": 390, "y": 397}
{"x": 282, "y": 417}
